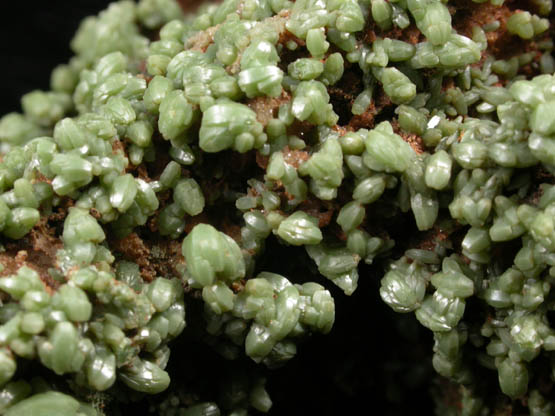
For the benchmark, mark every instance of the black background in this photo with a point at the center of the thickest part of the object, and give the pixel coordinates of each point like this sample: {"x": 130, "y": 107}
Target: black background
{"x": 35, "y": 37}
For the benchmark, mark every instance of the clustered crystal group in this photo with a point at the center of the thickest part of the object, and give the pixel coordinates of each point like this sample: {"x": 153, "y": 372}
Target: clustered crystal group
{"x": 172, "y": 147}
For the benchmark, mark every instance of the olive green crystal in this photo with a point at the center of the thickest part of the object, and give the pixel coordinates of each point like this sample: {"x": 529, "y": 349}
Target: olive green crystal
{"x": 236, "y": 164}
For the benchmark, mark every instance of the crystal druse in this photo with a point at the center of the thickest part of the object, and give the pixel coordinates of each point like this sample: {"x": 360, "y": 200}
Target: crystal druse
{"x": 173, "y": 148}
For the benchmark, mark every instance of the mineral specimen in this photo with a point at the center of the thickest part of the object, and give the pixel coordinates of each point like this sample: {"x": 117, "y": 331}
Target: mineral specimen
{"x": 177, "y": 154}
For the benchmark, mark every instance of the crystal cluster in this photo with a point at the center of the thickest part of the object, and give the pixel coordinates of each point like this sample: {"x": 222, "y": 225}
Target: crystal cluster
{"x": 172, "y": 148}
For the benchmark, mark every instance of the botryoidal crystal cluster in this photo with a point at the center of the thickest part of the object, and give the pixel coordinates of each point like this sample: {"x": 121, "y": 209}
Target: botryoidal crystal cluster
{"x": 172, "y": 147}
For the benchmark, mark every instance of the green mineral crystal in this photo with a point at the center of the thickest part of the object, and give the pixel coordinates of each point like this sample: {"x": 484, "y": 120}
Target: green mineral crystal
{"x": 240, "y": 164}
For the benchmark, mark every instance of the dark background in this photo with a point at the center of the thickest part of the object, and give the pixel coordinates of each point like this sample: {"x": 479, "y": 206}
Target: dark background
{"x": 374, "y": 359}
{"x": 34, "y": 38}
